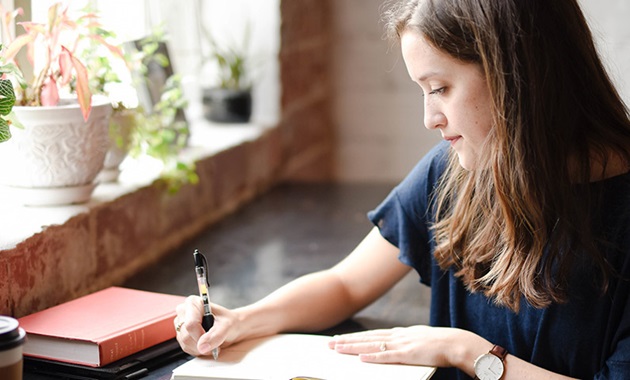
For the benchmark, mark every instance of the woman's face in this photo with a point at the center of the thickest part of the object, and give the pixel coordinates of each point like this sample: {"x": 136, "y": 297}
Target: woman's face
{"x": 456, "y": 96}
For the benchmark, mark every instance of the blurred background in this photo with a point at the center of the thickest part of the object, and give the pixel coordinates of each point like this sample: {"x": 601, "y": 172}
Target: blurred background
{"x": 376, "y": 111}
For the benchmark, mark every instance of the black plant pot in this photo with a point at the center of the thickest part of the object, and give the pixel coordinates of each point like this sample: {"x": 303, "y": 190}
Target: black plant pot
{"x": 224, "y": 105}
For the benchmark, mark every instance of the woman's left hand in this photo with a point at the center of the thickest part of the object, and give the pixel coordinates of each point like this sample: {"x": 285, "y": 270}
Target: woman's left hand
{"x": 416, "y": 345}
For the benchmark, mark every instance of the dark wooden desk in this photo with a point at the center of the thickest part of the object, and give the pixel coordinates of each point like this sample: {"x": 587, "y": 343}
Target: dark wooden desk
{"x": 288, "y": 232}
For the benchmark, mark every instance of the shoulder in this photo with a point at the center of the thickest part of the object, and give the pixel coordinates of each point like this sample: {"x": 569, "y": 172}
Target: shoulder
{"x": 404, "y": 216}
{"x": 615, "y": 221}
{"x": 616, "y": 204}
{"x": 421, "y": 181}
{"x": 410, "y": 199}
{"x": 434, "y": 162}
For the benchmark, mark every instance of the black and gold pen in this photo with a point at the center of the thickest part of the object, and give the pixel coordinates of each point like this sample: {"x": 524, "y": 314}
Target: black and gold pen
{"x": 201, "y": 271}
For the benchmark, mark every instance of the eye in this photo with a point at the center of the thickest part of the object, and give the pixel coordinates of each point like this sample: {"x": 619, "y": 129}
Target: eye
{"x": 438, "y": 91}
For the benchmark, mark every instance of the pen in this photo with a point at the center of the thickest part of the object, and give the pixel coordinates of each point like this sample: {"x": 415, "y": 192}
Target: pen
{"x": 201, "y": 271}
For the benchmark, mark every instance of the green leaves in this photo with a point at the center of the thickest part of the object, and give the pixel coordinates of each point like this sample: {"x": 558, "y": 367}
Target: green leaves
{"x": 231, "y": 61}
{"x": 7, "y": 94}
{"x": 7, "y": 100}
{"x": 5, "y": 132}
{"x": 7, "y": 97}
{"x": 162, "y": 133}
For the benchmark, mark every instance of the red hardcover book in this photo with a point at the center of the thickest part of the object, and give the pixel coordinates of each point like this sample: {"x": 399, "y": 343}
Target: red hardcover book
{"x": 101, "y": 327}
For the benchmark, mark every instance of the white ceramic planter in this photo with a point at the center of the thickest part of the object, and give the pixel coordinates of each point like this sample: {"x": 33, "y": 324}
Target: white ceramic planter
{"x": 121, "y": 125}
{"x": 55, "y": 159}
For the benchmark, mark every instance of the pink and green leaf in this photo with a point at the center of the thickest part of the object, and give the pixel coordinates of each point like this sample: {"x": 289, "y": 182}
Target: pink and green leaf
{"x": 17, "y": 44}
{"x": 84, "y": 95}
{"x": 50, "y": 94}
{"x": 65, "y": 66}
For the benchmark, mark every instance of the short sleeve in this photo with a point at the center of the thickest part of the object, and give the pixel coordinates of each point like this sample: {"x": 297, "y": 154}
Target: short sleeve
{"x": 617, "y": 365}
{"x": 405, "y": 215}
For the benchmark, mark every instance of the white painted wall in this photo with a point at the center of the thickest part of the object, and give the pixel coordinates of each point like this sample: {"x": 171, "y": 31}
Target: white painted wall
{"x": 379, "y": 110}
{"x": 610, "y": 26}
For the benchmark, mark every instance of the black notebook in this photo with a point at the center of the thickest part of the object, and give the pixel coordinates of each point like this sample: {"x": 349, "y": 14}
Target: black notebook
{"x": 134, "y": 366}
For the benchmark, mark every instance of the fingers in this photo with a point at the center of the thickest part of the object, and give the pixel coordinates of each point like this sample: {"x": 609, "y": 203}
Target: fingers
{"x": 188, "y": 320}
{"x": 210, "y": 340}
{"x": 218, "y": 335}
{"x": 366, "y": 336}
{"x": 375, "y": 341}
{"x": 382, "y": 357}
{"x": 418, "y": 345}
{"x": 371, "y": 347}
{"x": 375, "y": 346}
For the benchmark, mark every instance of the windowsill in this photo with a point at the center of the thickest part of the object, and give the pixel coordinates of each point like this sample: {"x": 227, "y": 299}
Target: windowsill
{"x": 18, "y": 222}
{"x": 130, "y": 224}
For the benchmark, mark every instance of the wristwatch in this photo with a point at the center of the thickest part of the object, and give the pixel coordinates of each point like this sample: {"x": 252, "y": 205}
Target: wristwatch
{"x": 490, "y": 366}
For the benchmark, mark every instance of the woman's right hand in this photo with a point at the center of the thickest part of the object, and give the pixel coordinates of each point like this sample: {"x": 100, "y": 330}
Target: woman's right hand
{"x": 192, "y": 337}
{"x": 360, "y": 279}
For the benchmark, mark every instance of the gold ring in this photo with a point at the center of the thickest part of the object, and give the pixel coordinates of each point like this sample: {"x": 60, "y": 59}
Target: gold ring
{"x": 178, "y": 326}
{"x": 383, "y": 347}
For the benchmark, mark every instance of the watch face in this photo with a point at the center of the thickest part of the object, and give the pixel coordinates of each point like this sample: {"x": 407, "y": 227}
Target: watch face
{"x": 489, "y": 367}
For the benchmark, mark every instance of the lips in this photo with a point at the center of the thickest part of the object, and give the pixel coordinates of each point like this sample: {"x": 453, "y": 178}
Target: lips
{"x": 452, "y": 139}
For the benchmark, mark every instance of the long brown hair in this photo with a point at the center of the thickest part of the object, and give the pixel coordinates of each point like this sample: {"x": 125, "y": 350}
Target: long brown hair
{"x": 516, "y": 226}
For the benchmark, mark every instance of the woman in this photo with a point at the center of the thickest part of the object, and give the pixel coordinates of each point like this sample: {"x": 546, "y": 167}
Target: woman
{"x": 519, "y": 221}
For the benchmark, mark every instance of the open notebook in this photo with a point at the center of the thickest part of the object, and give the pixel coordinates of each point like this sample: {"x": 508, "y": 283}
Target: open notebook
{"x": 288, "y": 356}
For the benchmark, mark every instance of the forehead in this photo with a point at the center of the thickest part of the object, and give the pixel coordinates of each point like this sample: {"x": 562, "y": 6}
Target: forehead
{"x": 423, "y": 60}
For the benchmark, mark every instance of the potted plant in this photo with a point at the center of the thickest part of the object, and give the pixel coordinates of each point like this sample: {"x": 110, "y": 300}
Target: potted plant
{"x": 162, "y": 136}
{"x": 156, "y": 128}
{"x": 162, "y": 133}
{"x": 111, "y": 76}
{"x": 229, "y": 100}
{"x": 61, "y": 131}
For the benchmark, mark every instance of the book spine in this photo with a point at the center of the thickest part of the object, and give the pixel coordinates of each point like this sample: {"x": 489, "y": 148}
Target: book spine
{"x": 130, "y": 342}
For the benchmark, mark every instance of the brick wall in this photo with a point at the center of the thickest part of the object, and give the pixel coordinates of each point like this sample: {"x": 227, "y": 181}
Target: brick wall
{"x": 115, "y": 238}
{"x": 306, "y": 124}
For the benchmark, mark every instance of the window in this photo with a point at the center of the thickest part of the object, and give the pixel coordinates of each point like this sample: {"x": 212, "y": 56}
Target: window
{"x": 227, "y": 22}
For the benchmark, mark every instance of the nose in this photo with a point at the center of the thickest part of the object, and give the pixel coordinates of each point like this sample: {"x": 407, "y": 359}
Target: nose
{"x": 433, "y": 116}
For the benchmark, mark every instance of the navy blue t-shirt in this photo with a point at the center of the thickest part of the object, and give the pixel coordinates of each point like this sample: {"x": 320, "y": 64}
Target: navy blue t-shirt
{"x": 588, "y": 337}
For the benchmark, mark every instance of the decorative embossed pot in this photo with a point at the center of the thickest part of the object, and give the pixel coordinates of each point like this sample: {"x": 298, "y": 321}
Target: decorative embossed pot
{"x": 121, "y": 125}
{"x": 55, "y": 159}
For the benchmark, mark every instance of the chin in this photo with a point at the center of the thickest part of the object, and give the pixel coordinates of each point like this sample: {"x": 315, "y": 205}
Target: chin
{"x": 466, "y": 163}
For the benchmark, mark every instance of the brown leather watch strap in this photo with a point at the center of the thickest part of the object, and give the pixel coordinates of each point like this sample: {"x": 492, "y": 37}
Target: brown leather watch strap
{"x": 499, "y": 351}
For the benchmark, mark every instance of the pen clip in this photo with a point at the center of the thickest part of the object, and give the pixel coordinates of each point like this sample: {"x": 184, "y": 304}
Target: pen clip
{"x": 200, "y": 261}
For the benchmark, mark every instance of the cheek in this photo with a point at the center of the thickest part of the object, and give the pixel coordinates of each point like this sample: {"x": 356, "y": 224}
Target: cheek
{"x": 482, "y": 116}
